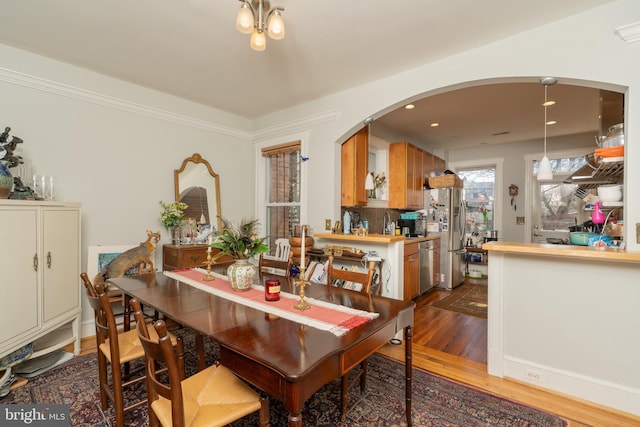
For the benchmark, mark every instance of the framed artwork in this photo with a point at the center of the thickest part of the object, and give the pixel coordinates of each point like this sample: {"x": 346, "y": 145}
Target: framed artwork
{"x": 99, "y": 256}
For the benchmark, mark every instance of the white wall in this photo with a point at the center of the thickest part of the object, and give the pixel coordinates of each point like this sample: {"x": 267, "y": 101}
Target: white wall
{"x": 113, "y": 146}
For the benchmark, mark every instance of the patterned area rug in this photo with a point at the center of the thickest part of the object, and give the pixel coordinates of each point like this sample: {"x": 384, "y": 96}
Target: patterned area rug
{"x": 469, "y": 299}
{"x": 436, "y": 401}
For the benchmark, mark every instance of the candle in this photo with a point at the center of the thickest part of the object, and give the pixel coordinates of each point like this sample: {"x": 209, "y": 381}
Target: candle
{"x": 302, "y": 251}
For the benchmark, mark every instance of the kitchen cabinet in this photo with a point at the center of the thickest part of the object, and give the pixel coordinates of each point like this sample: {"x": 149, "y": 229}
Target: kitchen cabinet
{"x": 176, "y": 257}
{"x": 40, "y": 264}
{"x": 355, "y": 159}
{"x": 411, "y": 271}
{"x": 406, "y": 176}
{"x": 433, "y": 164}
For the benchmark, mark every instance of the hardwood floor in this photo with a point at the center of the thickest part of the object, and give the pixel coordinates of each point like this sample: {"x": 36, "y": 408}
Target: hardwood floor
{"x": 454, "y": 346}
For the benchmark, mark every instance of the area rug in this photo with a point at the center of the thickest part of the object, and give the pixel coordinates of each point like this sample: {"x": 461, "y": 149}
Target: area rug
{"x": 470, "y": 299}
{"x": 436, "y": 400}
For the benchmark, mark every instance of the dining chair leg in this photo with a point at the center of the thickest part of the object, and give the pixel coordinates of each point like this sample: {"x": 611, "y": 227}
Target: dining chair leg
{"x": 200, "y": 351}
{"x": 118, "y": 398}
{"x": 102, "y": 379}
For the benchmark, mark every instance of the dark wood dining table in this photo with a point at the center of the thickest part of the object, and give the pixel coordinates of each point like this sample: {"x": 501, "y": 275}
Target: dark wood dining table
{"x": 285, "y": 359}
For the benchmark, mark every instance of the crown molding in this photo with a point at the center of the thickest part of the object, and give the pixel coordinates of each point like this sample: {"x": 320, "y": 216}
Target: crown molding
{"x": 44, "y": 85}
{"x": 295, "y": 125}
{"x": 629, "y": 33}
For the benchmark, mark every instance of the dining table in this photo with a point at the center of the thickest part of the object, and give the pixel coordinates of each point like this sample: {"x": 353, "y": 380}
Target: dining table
{"x": 286, "y": 359}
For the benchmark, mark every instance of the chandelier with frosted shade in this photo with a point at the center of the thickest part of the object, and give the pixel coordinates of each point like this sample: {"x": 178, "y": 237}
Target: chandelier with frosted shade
{"x": 252, "y": 20}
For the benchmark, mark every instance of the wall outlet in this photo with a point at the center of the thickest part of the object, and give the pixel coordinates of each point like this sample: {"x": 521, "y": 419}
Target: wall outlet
{"x": 442, "y": 277}
{"x": 532, "y": 375}
{"x": 519, "y": 220}
{"x": 327, "y": 224}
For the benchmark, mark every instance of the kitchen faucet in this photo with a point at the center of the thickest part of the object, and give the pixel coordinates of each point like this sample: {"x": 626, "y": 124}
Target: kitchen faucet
{"x": 386, "y": 220}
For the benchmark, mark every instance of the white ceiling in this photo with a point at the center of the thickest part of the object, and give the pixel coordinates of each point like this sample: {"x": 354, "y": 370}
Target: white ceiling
{"x": 191, "y": 49}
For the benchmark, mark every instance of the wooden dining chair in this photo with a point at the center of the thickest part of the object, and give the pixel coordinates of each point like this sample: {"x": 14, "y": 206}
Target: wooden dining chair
{"x": 116, "y": 347}
{"x": 351, "y": 378}
{"x": 212, "y": 397}
{"x": 275, "y": 267}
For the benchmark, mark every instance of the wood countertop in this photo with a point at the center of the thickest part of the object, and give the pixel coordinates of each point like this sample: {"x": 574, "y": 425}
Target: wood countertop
{"x": 569, "y": 251}
{"x": 374, "y": 238}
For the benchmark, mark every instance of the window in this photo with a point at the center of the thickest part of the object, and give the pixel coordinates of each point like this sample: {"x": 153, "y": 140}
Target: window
{"x": 479, "y": 196}
{"x": 556, "y": 206}
{"x": 282, "y": 190}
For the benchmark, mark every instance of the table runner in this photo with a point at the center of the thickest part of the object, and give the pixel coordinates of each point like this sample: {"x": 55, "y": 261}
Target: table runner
{"x": 322, "y": 315}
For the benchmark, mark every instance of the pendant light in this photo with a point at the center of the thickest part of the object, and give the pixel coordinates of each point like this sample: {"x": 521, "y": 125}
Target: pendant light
{"x": 203, "y": 219}
{"x": 368, "y": 181}
{"x": 544, "y": 166}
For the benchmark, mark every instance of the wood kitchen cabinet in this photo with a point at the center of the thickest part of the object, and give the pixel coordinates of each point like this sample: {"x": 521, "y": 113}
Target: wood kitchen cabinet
{"x": 40, "y": 264}
{"x": 406, "y": 176}
{"x": 433, "y": 164}
{"x": 355, "y": 159}
{"x": 411, "y": 271}
{"x": 176, "y": 257}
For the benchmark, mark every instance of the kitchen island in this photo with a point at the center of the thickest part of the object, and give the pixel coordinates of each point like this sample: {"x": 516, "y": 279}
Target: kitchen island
{"x": 566, "y": 318}
{"x": 389, "y": 248}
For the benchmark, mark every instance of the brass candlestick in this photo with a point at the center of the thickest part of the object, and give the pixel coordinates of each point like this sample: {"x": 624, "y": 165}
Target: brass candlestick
{"x": 302, "y": 304}
{"x": 209, "y": 261}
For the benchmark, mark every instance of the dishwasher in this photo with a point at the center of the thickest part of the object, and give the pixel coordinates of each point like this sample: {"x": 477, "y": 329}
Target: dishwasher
{"x": 426, "y": 265}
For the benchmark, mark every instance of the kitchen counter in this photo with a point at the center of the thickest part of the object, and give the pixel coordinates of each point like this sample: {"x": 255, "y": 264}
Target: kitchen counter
{"x": 569, "y": 251}
{"x": 374, "y": 238}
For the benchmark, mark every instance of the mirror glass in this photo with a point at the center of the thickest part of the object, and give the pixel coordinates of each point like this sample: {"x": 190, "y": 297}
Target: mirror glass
{"x": 197, "y": 185}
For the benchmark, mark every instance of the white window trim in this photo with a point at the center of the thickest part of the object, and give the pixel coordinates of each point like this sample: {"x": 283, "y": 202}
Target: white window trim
{"x": 496, "y": 163}
{"x": 261, "y": 170}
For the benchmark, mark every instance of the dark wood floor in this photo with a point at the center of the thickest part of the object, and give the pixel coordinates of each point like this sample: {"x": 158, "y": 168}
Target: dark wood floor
{"x": 447, "y": 331}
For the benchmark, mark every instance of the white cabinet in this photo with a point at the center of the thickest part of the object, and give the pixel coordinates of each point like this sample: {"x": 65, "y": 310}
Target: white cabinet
{"x": 40, "y": 269}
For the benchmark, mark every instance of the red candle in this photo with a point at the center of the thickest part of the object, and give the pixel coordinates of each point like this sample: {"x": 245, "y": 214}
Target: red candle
{"x": 272, "y": 290}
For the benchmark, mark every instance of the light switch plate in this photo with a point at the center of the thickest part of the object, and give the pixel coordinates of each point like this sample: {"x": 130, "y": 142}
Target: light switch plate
{"x": 327, "y": 224}
{"x": 519, "y": 220}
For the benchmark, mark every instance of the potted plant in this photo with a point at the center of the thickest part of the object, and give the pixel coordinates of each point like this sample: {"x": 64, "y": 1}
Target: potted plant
{"x": 240, "y": 243}
{"x": 171, "y": 217}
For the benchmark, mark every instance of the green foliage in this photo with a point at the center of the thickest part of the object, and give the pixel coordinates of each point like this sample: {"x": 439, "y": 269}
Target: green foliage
{"x": 172, "y": 213}
{"x": 240, "y": 242}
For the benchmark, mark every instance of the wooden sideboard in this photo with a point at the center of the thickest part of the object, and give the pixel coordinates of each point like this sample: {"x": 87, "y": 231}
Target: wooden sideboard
{"x": 176, "y": 257}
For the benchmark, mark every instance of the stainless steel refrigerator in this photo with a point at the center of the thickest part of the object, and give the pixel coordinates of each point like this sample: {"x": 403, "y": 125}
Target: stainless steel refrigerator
{"x": 449, "y": 210}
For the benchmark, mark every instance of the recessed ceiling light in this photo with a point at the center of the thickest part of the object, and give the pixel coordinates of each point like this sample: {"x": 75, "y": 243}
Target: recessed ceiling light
{"x": 434, "y": 124}
{"x": 409, "y": 107}
{"x": 548, "y": 103}
{"x": 552, "y": 122}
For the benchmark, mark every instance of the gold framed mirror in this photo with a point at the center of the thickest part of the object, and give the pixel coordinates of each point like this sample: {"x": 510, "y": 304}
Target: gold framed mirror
{"x": 197, "y": 185}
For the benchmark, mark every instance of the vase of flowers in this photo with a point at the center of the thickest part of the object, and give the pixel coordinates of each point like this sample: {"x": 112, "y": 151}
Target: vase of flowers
{"x": 240, "y": 243}
{"x": 171, "y": 217}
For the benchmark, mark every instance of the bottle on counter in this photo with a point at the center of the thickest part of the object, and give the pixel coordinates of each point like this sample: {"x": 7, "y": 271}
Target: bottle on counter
{"x": 397, "y": 229}
{"x": 346, "y": 223}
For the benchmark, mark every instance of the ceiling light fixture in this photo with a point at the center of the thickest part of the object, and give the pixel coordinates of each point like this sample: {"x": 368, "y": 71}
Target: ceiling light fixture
{"x": 409, "y": 107}
{"x": 544, "y": 167}
{"x": 251, "y": 19}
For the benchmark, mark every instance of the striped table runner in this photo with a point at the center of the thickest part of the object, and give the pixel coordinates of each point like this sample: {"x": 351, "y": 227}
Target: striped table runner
{"x": 322, "y": 315}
